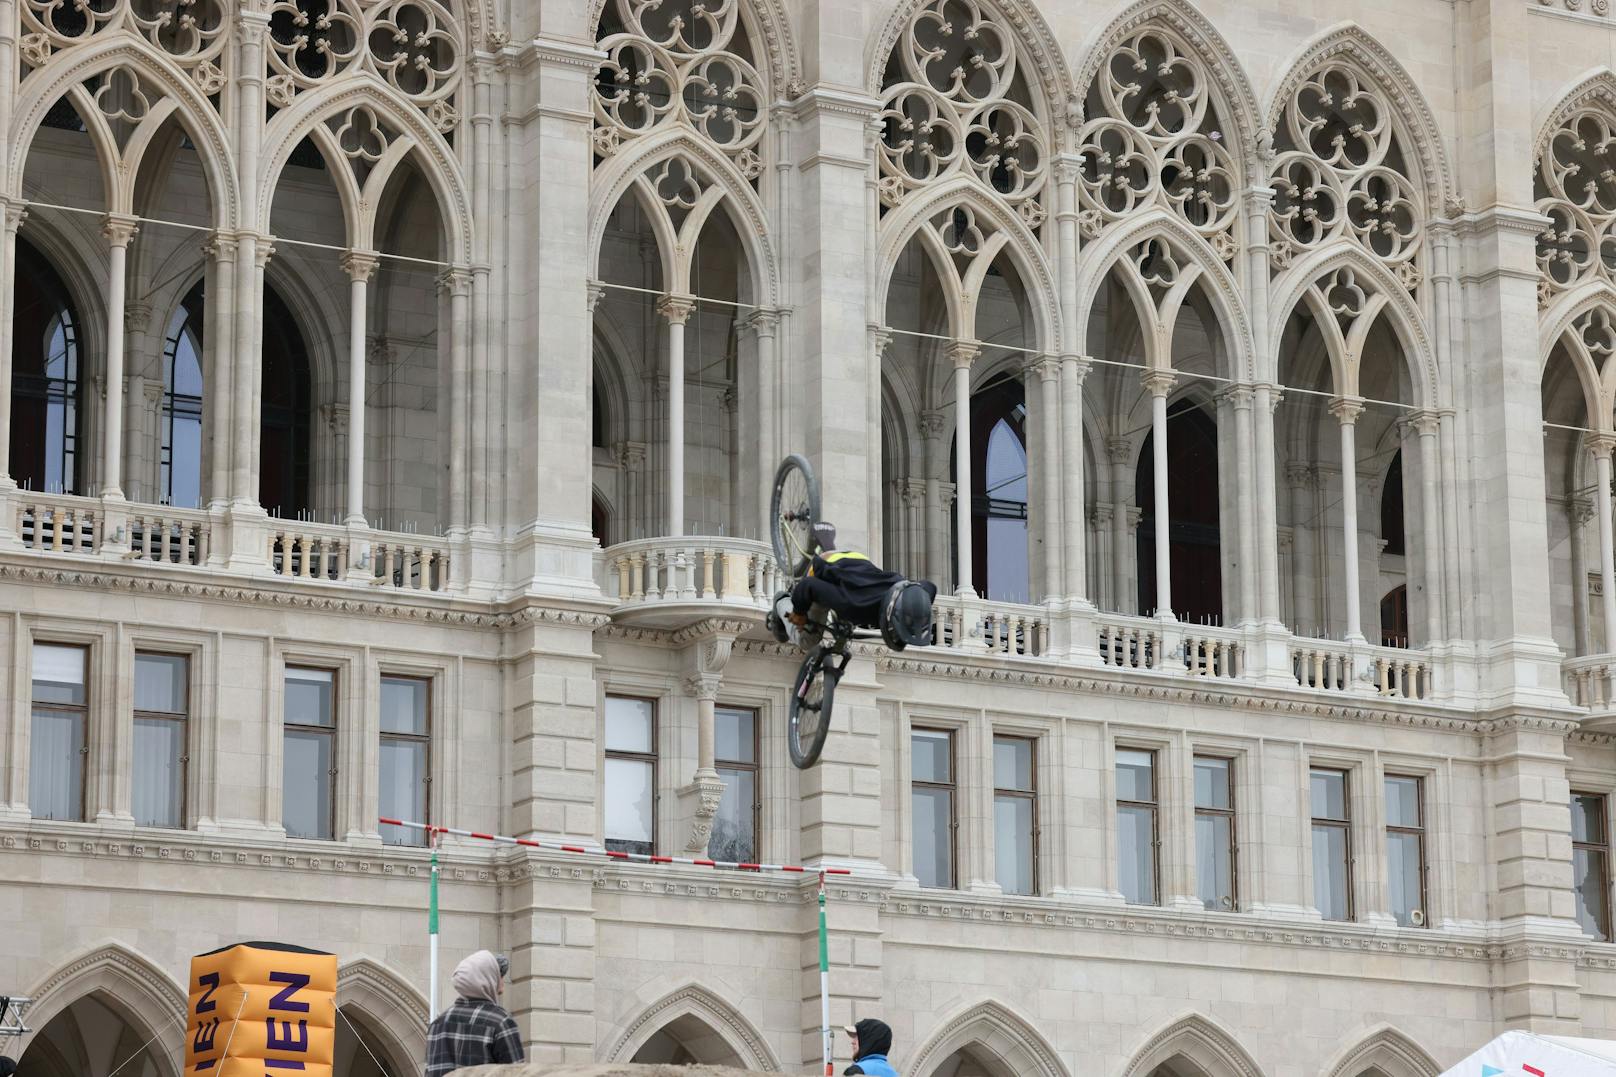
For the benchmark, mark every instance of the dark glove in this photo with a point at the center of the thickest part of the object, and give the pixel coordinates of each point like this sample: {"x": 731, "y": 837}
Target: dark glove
{"x": 854, "y": 1068}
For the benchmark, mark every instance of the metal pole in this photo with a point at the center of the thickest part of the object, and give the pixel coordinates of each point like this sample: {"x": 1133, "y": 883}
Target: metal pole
{"x": 824, "y": 977}
{"x": 432, "y": 931}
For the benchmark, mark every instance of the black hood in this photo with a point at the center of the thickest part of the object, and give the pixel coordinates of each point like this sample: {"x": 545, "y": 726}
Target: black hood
{"x": 874, "y": 1037}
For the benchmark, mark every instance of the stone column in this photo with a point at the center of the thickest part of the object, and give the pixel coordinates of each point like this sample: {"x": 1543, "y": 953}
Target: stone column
{"x": 1158, "y": 383}
{"x": 764, "y": 325}
{"x": 1073, "y": 373}
{"x": 140, "y": 469}
{"x": 119, "y": 231}
{"x": 219, "y": 374}
{"x": 1346, "y": 410}
{"x": 874, "y": 438}
{"x": 458, "y": 280}
{"x": 631, "y": 458}
{"x": 962, "y": 353}
{"x": 933, "y": 526}
{"x": 1120, "y": 453}
{"x": 1601, "y": 445}
{"x": 359, "y": 265}
{"x": 12, "y": 214}
{"x": 1242, "y": 397}
{"x": 677, "y": 310}
{"x": 1426, "y": 424}
{"x": 252, "y": 252}
{"x": 1265, "y": 500}
{"x": 1304, "y": 531}
{"x": 1049, "y": 443}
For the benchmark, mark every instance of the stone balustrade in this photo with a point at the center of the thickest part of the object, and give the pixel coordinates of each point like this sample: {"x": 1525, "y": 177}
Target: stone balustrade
{"x": 58, "y": 523}
{"x": 1590, "y": 681}
{"x": 971, "y": 624}
{"x": 670, "y": 581}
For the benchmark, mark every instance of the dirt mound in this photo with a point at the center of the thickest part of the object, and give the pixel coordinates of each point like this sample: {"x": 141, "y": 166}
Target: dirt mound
{"x": 613, "y": 1069}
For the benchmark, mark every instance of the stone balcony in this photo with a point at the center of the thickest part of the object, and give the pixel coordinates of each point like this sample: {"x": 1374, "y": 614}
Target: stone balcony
{"x": 1590, "y": 682}
{"x": 674, "y": 582}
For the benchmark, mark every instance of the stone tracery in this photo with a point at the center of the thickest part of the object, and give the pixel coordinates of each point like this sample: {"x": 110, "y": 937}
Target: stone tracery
{"x": 1576, "y": 189}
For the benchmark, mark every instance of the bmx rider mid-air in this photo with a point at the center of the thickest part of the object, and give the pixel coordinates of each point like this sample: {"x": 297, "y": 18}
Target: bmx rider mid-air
{"x": 858, "y": 591}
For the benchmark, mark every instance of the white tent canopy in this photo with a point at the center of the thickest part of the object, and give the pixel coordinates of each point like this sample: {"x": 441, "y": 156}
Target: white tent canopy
{"x": 1526, "y": 1054}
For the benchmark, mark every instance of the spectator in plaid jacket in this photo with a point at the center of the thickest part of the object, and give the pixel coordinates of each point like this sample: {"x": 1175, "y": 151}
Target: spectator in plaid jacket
{"x": 476, "y": 1030}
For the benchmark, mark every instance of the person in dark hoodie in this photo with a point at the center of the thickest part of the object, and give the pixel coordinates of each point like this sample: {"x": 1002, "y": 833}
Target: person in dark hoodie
{"x": 872, "y": 1039}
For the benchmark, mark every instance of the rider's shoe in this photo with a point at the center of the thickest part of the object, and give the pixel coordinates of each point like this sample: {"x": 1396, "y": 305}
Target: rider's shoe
{"x": 781, "y": 629}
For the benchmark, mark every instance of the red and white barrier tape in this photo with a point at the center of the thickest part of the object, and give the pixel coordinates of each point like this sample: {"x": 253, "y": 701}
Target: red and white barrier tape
{"x": 613, "y": 854}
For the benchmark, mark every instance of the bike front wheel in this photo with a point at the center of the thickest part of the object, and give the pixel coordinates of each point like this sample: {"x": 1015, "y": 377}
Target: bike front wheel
{"x": 793, "y": 510}
{"x": 811, "y": 700}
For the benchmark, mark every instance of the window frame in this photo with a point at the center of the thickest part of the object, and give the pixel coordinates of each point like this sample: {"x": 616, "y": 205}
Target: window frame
{"x": 652, "y": 757}
{"x": 755, "y": 767}
{"x": 1231, "y": 813}
{"x": 84, "y": 710}
{"x": 382, "y": 735}
{"x": 1345, "y": 825}
{"x": 953, "y": 801}
{"x": 183, "y": 718}
{"x": 1155, "y": 806}
{"x": 1419, "y": 832}
{"x": 333, "y": 731}
{"x": 1602, "y": 848}
{"x": 1030, "y": 795}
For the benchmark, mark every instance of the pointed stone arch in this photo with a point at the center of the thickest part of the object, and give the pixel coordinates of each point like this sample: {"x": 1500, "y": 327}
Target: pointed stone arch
{"x": 693, "y": 1003}
{"x": 432, "y": 155}
{"x": 909, "y": 221}
{"x": 615, "y": 177}
{"x": 1186, "y": 22}
{"x": 1594, "y": 88}
{"x": 993, "y": 1028}
{"x": 1198, "y": 1040}
{"x": 1387, "y": 1050}
{"x": 131, "y": 984}
{"x": 1415, "y": 121}
{"x": 1405, "y": 317}
{"x": 1052, "y": 78}
{"x": 185, "y": 104}
{"x": 1097, "y": 259}
{"x": 771, "y": 24}
{"x": 393, "y": 1008}
{"x": 1597, "y": 378}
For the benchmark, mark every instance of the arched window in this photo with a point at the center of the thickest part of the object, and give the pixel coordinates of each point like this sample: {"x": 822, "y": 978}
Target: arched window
{"x": 1394, "y": 617}
{"x": 283, "y": 477}
{"x": 181, "y": 461}
{"x": 47, "y": 394}
{"x": 1392, "y": 531}
{"x": 999, "y": 497}
{"x": 1194, "y": 534}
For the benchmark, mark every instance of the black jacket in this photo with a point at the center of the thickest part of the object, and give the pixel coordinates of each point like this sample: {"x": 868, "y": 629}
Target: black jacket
{"x": 848, "y": 582}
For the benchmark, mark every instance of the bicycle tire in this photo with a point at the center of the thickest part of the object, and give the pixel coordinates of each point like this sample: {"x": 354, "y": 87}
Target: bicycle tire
{"x": 791, "y": 523}
{"x": 806, "y": 743}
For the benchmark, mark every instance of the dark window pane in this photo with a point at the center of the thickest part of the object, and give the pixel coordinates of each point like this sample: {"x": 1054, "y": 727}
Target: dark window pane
{"x": 734, "y": 735}
{"x": 404, "y": 706}
{"x": 931, "y": 756}
{"x": 1134, "y": 771}
{"x": 1013, "y": 843}
{"x": 1330, "y": 872}
{"x": 308, "y": 696}
{"x": 403, "y": 788}
{"x": 1329, "y": 794}
{"x": 56, "y": 765}
{"x": 59, "y": 674}
{"x": 1012, "y": 763}
{"x": 934, "y": 837}
{"x": 1214, "y": 861}
{"x": 1588, "y": 818}
{"x": 1136, "y": 854}
{"x": 630, "y": 804}
{"x": 1403, "y": 877}
{"x": 306, "y": 785}
{"x": 1212, "y": 783}
{"x": 1588, "y": 870}
{"x": 159, "y": 785}
{"x": 160, "y": 682}
{"x": 1402, "y": 802}
{"x": 733, "y": 837}
{"x": 628, "y": 725}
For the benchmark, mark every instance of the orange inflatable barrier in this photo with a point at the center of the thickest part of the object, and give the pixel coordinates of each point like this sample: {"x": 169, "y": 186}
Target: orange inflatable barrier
{"x": 262, "y": 1008}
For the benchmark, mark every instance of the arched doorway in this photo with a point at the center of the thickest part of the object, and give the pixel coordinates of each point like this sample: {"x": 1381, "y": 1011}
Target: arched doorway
{"x": 283, "y": 477}
{"x": 1194, "y": 534}
{"x": 180, "y": 461}
{"x": 687, "y": 1040}
{"x": 47, "y": 383}
{"x": 968, "y": 1063}
{"x": 93, "y": 1037}
{"x": 360, "y": 1051}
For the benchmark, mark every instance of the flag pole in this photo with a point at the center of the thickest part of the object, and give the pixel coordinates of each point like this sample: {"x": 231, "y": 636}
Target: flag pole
{"x": 824, "y": 978}
{"x": 432, "y": 933}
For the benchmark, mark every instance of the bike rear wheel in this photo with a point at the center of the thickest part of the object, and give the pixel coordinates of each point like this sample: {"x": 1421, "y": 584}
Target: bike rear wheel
{"x": 811, "y": 699}
{"x": 793, "y": 510}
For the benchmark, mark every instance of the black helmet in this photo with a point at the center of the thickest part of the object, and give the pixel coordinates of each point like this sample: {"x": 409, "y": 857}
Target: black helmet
{"x": 906, "y": 616}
